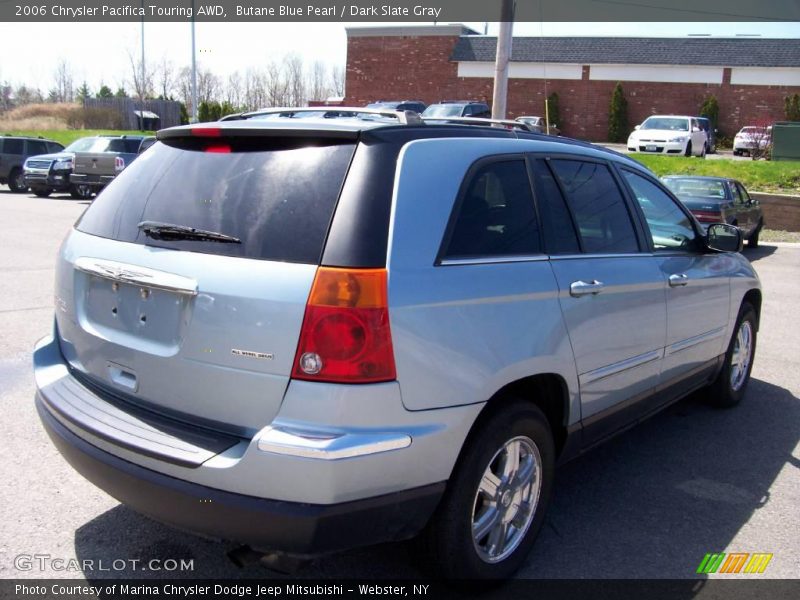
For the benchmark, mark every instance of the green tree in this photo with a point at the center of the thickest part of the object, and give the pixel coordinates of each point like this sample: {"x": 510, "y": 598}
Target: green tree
{"x": 226, "y": 108}
{"x": 121, "y": 93}
{"x": 710, "y": 110}
{"x": 203, "y": 112}
{"x": 552, "y": 110}
{"x": 184, "y": 114}
{"x": 618, "y": 116}
{"x": 83, "y": 92}
{"x": 104, "y": 92}
{"x": 791, "y": 107}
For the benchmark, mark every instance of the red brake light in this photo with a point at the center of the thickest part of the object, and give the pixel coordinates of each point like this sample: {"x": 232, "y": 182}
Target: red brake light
{"x": 707, "y": 216}
{"x": 345, "y": 336}
{"x": 218, "y": 148}
{"x": 206, "y": 131}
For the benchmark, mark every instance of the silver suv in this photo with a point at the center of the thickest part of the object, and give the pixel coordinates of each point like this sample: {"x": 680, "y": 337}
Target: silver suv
{"x": 311, "y": 335}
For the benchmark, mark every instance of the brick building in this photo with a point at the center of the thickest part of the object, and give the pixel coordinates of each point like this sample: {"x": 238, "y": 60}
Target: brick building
{"x": 749, "y": 76}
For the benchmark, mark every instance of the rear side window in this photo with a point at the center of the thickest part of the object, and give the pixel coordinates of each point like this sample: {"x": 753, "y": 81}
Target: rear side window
{"x": 598, "y": 206}
{"x": 496, "y": 215}
{"x": 54, "y": 147}
{"x": 12, "y": 146}
{"x": 277, "y": 201}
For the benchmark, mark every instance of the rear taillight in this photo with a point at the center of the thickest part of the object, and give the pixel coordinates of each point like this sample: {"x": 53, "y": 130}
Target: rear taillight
{"x": 707, "y": 216}
{"x": 119, "y": 163}
{"x": 345, "y": 336}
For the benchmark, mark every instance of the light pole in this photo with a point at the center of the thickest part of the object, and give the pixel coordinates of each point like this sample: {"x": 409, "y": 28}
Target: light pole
{"x": 194, "y": 73}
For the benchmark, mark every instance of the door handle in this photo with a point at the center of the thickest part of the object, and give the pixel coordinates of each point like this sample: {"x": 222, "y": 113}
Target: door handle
{"x": 582, "y": 288}
{"x": 678, "y": 280}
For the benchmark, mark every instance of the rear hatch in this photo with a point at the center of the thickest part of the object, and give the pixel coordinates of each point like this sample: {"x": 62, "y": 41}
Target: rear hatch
{"x": 201, "y": 327}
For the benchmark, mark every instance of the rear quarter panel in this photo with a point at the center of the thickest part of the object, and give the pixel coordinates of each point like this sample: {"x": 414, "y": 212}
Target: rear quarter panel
{"x": 462, "y": 332}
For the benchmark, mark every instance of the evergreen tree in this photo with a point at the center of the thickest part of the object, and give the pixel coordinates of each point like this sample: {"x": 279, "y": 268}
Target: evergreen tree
{"x": 105, "y": 92}
{"x": 121, "y": 93}
{"x": 618, "y": 116}
{"x": 791, "y": 107}
{"x": 552, "y": 110}
{"x": 710, "y": 110}
{"x": 83, "y": 92}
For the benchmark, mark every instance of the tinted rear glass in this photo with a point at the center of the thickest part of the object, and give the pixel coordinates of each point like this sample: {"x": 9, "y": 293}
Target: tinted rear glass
{"x": 13, "y": 146}
{"x": 278, "y": 202}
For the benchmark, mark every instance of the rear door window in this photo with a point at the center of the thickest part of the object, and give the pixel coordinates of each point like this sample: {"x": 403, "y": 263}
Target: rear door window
{"x": 559, "y": 230}
{"x": 599, "y": 209}
{"x": 277, "y": 200}
{"x": 35, "y": 147}
{"x": 496, "y": 215}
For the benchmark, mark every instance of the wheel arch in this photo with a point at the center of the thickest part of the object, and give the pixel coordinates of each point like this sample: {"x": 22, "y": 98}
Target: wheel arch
{"x": 754, "y": 298}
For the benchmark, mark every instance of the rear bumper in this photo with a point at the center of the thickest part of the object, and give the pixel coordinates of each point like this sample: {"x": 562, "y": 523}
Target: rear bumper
{"x": 291, "y": 527}
{"x": 96, "y": 181}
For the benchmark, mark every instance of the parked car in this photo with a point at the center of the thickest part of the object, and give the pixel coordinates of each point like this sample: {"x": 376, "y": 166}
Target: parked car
{"x": 711, "y": 134}
{"x": 752, "y": 139}
{"x": 48, "y": 173}
{"x": 462, "y": 108}
{"x": 669, "y": 134}
{"x": 415, "y": 105}
{"x": 146, "y": 143}
{"x": 539, "y": 125}
{"x": 98, "y": 168}
{"x": 14, "y": 150}
{"x": 719, "y": 200}
{"x": 262, "y": 334}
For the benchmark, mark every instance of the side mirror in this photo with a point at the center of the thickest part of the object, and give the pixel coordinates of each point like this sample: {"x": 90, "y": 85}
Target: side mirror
{"x": 636, "y": 127}
{"x": 724, "y": 238}
{"x": 695, "y": 129}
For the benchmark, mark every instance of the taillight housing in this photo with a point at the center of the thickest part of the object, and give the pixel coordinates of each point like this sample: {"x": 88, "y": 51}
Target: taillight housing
{"x": 707, "y": 216}
{"x": 345, "y": 336}
{"x": 119, "y": 163}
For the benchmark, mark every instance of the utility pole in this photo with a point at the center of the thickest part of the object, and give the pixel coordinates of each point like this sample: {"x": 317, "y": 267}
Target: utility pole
{"x": 500, "y": 96}
{"x": 142, "y": 86}
{"x": 194, "y": 73}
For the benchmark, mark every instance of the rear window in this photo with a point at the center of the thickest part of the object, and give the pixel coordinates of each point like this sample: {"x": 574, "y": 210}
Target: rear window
{"x": 277, "y": 201}
{"x": 13, "y": 146}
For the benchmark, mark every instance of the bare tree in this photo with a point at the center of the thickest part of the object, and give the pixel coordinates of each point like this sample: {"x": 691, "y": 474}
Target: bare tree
{"x": 275, "y": 85}
{"x": 318, "y": 81}
{"x": 337, "y": 80}
{"x": 254, "y": 94}
{"x": 233, "y": 89}
{"x": 208, "y": 85}
{"x": 62, "y": 90}
{"x": 165, "y": 77}
{"x": 295, "y": 80}
{"x": 141, "y": 77}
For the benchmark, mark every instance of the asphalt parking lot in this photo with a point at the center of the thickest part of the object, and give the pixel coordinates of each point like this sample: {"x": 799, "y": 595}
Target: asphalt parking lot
{"x": 648, "y": 504}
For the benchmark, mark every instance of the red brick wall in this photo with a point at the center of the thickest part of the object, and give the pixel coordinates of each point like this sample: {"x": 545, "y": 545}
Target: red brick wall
{"x": 418, "y": 68}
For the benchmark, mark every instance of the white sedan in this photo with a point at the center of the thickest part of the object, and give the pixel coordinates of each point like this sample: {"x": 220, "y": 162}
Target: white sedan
{"x": 669, "y": 134}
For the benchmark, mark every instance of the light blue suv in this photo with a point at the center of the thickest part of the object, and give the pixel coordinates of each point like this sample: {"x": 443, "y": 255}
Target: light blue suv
{"x": 311, "y": 335}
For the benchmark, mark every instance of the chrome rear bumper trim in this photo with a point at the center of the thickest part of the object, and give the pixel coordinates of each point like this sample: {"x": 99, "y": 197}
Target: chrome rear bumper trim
{"x": 329, "y": 445}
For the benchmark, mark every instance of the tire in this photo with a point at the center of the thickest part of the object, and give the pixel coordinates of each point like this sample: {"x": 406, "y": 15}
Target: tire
{"x": 80, "y": 191}
{"x": 736, "y": 153}
{"x": 15, "y": 181}
{"x": 703, "y": 152}
{"x": 518, "y": 429}
{"x": 41, "y": 192}
{"x": 688, "y": 151}
{"x": 752, "y": 241}
{"x": 729, "y": 387}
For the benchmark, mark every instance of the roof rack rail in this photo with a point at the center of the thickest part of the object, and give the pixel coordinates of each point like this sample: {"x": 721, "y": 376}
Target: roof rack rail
{"x": 404, "y": 117}
{"x": 507, "y": 123}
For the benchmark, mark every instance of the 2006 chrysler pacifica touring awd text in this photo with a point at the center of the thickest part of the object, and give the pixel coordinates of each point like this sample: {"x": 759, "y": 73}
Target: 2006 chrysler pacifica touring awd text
{"x": 346, "y": 331}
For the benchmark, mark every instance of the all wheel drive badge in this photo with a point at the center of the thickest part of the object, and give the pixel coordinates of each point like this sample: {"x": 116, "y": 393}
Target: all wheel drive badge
{"x": 251, "y": 354}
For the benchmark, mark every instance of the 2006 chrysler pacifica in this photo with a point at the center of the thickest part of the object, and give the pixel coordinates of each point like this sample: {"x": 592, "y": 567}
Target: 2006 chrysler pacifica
{"x": 319, "y": 334}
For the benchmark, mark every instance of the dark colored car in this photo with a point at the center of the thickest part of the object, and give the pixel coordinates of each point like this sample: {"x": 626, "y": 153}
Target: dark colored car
{"x": 415, "y": 105}
{"x": 719, "y": 200}
{"x": 48, "y": 173}
{"x": 711, "y": 132}
{"x": 458, "y": 109}
{"x": 14, "y": 151}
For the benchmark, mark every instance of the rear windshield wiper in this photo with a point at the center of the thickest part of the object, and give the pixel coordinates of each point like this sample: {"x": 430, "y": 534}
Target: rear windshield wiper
{"x": 168, "y": 231}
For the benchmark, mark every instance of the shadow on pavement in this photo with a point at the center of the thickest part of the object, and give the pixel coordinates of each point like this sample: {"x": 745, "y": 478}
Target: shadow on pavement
{"x": 763, "y": 250}
{"x": 647, "y": 504}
